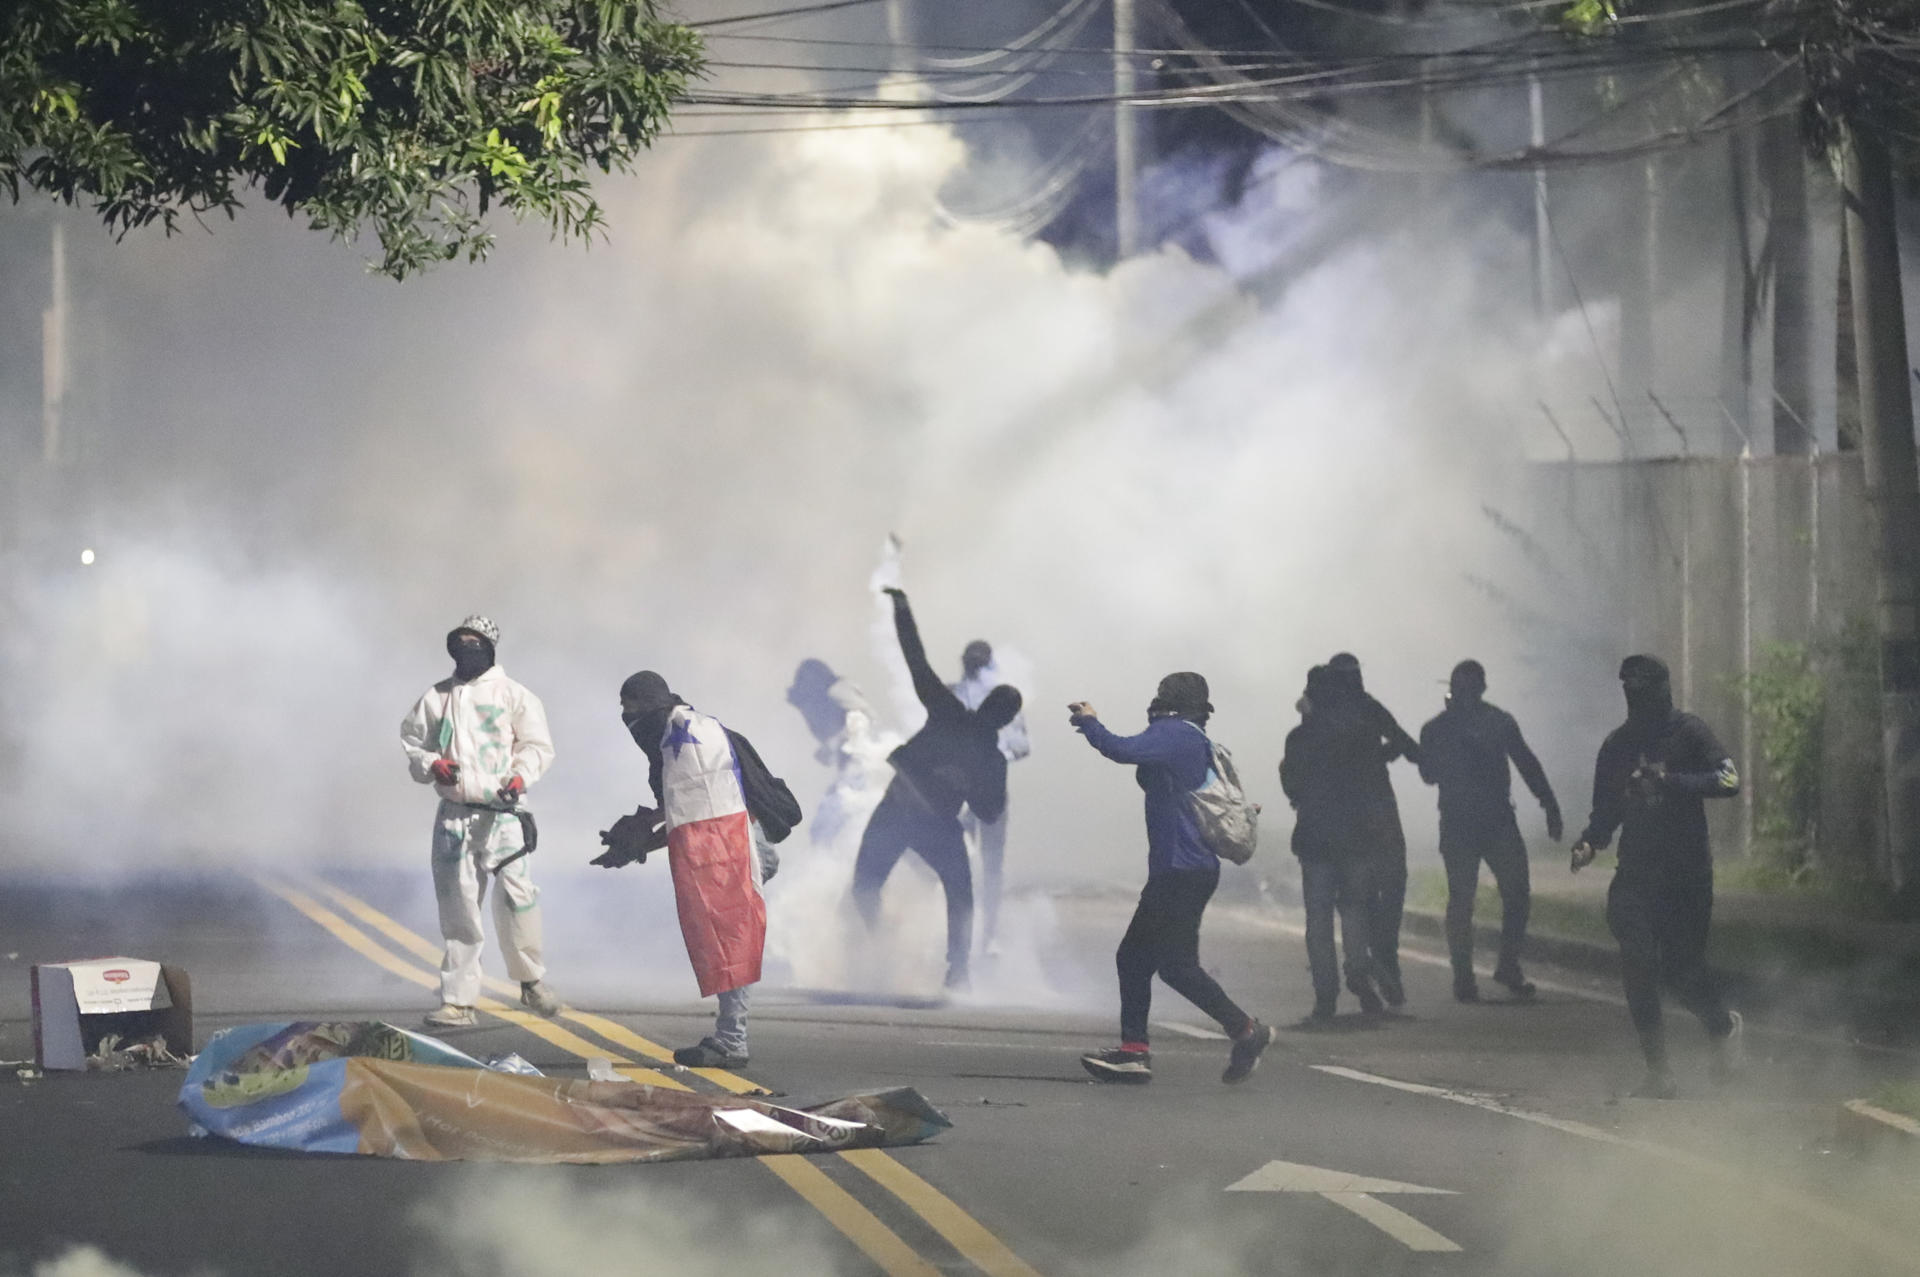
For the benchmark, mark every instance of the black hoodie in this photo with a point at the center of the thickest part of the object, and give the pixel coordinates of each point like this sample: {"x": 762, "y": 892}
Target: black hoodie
{"x": 1662, "y": 823}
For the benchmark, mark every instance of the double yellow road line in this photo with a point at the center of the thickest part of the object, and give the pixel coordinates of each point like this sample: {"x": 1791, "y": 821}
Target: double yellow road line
{"x": 344, "y": 916}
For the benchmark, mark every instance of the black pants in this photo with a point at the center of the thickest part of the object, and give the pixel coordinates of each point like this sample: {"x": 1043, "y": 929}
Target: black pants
{"x": 1661, "y": 925}
{"x": 1386, "y": 902}
{"x": 1343, "y": 888}
{"x": 1463, "y": 845}
{"x": 902, "y": 823}
{"x": 1164, "y": 939}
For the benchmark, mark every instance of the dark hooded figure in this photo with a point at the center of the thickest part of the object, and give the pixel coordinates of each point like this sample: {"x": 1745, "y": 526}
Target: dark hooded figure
{"x": 1171, "y": 759}
{"x": 1326, "y": 772}
{"x": 1654, "y": 772}
{"x": 954, "y": 761}
{"x": 1374, "y": 819}
{"x": 1465, "y": 751}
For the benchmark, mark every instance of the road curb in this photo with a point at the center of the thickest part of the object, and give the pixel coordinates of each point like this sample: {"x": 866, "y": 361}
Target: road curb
{"x": 1867, "y": 1130}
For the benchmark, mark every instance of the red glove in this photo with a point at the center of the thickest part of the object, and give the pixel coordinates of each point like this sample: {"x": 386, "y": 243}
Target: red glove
{"x": 444, "y": 771}
{"x": 511, "y": 791}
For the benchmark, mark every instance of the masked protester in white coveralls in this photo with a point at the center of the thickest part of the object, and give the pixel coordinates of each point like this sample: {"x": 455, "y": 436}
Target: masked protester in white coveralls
{"x": 481, "y": 739}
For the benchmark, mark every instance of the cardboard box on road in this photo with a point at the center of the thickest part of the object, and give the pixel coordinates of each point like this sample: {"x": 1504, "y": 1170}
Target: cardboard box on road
{"x": 75, "y": 1004}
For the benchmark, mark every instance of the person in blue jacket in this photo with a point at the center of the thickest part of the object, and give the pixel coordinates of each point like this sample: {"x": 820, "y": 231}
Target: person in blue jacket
{"x": 1171, "y": 759}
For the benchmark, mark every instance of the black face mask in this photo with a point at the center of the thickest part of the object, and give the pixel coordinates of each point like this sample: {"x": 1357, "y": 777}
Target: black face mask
{"x": 647, "y": 726}
{"x": 470, "y": 660}
{"x": 1649, "y": 702}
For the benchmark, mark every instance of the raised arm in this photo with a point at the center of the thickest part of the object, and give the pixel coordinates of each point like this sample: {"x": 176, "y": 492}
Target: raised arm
{"x": 935, "y": 695}
{"x": 1150, "y": 746}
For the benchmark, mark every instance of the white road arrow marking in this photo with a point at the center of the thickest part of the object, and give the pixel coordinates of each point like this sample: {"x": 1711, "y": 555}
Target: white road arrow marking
{"x": 1354, "y": 1193}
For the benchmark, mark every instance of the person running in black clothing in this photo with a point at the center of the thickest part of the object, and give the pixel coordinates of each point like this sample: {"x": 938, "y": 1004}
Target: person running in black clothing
{"x": 1651, "y": 778}
{"x": 1171, "y": 759}
{"x": 1465, "y": 750}
{"x": 1376, "y": 817}
{"x": 951, "y": 762}
{"x": 1328, "y": 762}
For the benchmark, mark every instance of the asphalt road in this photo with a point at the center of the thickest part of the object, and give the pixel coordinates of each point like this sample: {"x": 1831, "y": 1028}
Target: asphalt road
{"x": 1495, "y": 1136}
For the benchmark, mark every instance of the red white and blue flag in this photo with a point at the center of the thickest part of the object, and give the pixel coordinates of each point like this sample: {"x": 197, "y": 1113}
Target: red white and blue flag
{"x": 716, "y": 873}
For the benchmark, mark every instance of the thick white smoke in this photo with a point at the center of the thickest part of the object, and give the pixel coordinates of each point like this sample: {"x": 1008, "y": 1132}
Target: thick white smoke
{"x": 680, "y": 449}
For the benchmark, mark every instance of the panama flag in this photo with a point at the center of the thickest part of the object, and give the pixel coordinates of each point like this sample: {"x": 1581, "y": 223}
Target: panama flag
{"x": 716, "y": 875}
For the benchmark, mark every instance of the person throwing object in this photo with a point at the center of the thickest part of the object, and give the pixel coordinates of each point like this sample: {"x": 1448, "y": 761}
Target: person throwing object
{"x": 953, "y": 761}
{"x": 1170, "y": 758}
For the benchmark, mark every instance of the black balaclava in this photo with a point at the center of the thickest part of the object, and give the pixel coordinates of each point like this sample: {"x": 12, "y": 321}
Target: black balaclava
{"x": 1181, "y": 695}
{"x": 472, "y": 654}
{"x": 998, "y": 707}
{"x": 1649, "y": 691}
{"x": 646, "y": 718}
{"x": 810, "y": 694}
{"x": 1467, "y": 684}
{"x": 1345, "y": 668}
{"x": 977, "y": 656}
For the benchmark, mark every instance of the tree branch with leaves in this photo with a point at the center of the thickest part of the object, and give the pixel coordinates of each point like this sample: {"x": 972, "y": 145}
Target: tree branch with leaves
{"x": 411, "y": 119}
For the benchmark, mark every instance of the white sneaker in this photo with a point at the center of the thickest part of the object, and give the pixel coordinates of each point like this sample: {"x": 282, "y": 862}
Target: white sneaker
{"x": 450, "y": 1016}
{"x": 1730, "y": 1052}
{"x": 538, "y": 998}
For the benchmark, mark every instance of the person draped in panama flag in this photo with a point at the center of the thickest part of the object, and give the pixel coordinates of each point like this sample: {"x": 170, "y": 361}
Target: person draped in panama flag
{"x": 719, "y": 809}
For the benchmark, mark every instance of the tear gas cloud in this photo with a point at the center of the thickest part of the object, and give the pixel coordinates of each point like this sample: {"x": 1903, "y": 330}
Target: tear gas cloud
{"x": 683, "y": 449}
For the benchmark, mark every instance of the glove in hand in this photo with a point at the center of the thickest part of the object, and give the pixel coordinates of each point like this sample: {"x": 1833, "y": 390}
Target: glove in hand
{"x": 445, "y": 771}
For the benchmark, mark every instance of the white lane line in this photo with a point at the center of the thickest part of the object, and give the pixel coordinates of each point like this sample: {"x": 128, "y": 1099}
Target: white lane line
{"x": 1902, "y": 1251}
{"x": 1392, "y": 1221}
{"x": 1180, "y": 1030}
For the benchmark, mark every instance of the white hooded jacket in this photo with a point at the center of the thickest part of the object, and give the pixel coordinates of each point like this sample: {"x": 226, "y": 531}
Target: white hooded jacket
{"x": 492, "y": 727}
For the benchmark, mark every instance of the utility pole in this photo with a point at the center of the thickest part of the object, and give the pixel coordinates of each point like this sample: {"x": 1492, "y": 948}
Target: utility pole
{"x": 1893, "y": 489}
{"x": 1126, "y": 152}
{"x": 1537, "y": 133}
{"x": 53, "y": 351}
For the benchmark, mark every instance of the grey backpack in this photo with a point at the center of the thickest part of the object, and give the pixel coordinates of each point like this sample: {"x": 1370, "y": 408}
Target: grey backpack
{"x": 1229, "y": 823}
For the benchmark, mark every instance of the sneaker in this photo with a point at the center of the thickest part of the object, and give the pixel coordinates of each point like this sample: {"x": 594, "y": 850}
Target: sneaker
{"x": 1246, "y": 1052}
{"x": 958, "y": 980}
{"x": 1119, "y": 1065}
{"x": 1466, "y": 989}
{"x": 708, "y": 1053}
{"x": 450, "y": 1016}
{"x": 1656, "y": 1085}
{"x": 1730, "y": 1051}
{"x": 1391, "y": 989}
{"x": 539, "y": 999}
{"x": 1518, "y": 985}
{"x": 1370, "y": 1003}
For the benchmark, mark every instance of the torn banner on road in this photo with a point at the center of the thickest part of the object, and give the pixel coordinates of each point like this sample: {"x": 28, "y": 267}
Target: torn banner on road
{"x": 372, "y": 1088}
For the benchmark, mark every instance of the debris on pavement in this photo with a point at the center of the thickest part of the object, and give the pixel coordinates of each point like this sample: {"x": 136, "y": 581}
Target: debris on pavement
{"x": 78, "y": 1005}
{"x": 513, "y": 1063}
{"x": 116, "y": 1054}
{"x": 376, "y": 1089}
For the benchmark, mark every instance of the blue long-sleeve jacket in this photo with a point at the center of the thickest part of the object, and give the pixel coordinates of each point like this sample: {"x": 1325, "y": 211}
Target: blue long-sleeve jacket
{"x": 1171, "y": 758}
